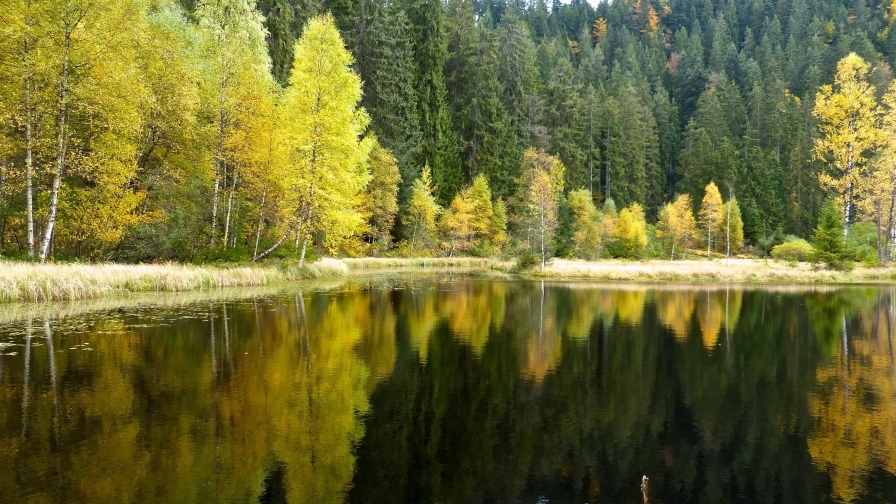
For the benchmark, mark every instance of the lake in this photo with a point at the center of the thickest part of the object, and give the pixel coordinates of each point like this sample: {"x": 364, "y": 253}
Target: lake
{"x": 455, "y": 389}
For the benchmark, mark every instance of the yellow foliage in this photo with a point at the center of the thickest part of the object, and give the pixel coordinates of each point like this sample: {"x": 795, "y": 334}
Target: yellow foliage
{"x": 322, "y": 126}
{"x": 677, "y": 227}
{"x": 711, "y": 217}
{"x": 586, "y": 224}
{"x": 848, "y": 119}
{"x": 600, "y": 30}
{"x": 630, "y": 232}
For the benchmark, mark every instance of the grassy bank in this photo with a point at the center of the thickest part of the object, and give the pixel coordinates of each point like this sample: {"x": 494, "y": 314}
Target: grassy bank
{"x": 22, "y": 282}
{"x": 376, "y": 264}
{"x": 737, "y": 271}
{"x": 75, "y": 282}
{"x": 72, "y": 282}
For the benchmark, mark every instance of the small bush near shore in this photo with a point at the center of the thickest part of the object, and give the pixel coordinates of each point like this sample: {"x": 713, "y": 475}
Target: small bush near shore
{"x": 798, "y": 250}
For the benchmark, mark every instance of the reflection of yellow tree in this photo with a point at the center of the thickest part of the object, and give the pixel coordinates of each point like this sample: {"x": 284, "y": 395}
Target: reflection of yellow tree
{"x": 543, "y": 344}
{"x": 675, "y": 309}
{"x": 585, "y": 304}
{"x": 716, "y": 309}
{"x": 855, "y": 406}
{"x": 378, "y": 346}
{"x": 204, "y": 410}
{"x": 418, "y": 310}
{"x": 471, "y": 308}
{"x": 630, "y": 305}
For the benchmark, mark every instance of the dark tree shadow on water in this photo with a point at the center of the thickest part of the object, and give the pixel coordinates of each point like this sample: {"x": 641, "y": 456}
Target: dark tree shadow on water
{"x": 274, "y": 487}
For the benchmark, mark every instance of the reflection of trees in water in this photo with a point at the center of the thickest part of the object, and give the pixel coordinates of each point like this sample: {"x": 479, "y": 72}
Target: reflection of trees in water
{"x": 184, "y": 414}
{"x": 854, "y": 405}
{"x": 471, "y": 391}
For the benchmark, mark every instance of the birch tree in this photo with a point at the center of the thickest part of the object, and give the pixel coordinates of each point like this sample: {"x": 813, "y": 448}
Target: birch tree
{"x": 677, "y": 227}
{"x": 848, "y": 118}
{"x": 542, "y": 187}
{"x": 234, "y": 45}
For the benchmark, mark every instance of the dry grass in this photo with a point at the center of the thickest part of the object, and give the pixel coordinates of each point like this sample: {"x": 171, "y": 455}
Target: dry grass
{"x": 434, "y": 263}
{"x": 71, "y": 282}
{"x": 738, "y": 271}
{"x": 75, "y": 282}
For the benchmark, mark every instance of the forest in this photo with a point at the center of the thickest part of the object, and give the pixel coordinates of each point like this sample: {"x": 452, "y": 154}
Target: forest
{"x": 181, "y": 130}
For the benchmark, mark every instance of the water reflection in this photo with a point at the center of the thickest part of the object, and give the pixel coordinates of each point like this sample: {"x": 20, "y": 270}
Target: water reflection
{"x": 458, "y": 391}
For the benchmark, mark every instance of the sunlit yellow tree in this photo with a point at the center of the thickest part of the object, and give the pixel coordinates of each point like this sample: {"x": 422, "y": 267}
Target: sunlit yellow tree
{"x": 711, "y": 218}
{"x": 233, "y": 44}
{"x": 677, "y": 227}
{"x": 421, "y": 213}
{"x": 542, "y": 189}
{"x": 630, "y": 233}
{"x": 848, "y": 118}
{"x": 586, "y": 224}
{"x": 321, "y": 127}
{"x": 380, "y": 204}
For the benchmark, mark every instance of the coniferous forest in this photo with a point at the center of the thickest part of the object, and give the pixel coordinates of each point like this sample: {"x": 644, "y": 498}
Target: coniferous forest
{"x": 149, "y": 130}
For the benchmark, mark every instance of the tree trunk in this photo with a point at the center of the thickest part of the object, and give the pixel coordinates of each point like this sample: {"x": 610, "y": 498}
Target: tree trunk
{"x": 264, "y": 194}
{"x": 219, "y": 153}
{"x": 591, "y": 145}
{"x": 608, "y": 166}
{"x": 61, "y": 140}
{"x": 273, "y": 247}
{"x": 236, "y": 176}
{"x": 29, "y": 156}
{"x": 728, "y": 232}
{"x": 304, "y": 246}
{"x": 542, "y": 241}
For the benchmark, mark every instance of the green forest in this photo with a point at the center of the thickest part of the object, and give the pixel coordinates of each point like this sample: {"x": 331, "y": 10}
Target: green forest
{"x": 180, "y": 130}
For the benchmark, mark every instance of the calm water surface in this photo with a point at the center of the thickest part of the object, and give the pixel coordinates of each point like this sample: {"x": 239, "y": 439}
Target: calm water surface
{"x": 457, "y": 390}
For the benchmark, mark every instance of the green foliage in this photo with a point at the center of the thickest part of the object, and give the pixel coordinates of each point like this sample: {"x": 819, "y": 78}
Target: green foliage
{"x": 861, "y": 243}
{"x": 828, "y": 242}
{"x": 639, "y": 100}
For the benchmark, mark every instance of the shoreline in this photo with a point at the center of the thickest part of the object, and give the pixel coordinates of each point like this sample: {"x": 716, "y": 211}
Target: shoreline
{"x": 28, "y": 282}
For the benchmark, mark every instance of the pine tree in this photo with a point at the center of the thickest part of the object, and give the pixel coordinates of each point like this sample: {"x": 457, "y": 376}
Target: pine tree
{"x": 517, "y": 74}
{"x": 567, "y": 122}
{"x": 389, "y": 89}
{"x": 828, "y": 242}
{"x": 439, "y": 144}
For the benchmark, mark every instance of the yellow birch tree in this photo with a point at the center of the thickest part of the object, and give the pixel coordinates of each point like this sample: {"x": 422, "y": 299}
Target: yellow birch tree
{"x": 677, "y": 226}
{"x": 848, "y": 118}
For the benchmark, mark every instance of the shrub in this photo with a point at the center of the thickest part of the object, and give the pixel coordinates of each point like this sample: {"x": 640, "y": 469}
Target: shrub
{"x": 526, "y": 261}
{"x": 795, "y": 250}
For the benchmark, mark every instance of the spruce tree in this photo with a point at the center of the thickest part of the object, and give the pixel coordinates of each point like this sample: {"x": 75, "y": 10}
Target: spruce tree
{"x": 389, "y": 90}
{"x": 828, "y": 241}
{"x": 439, "y": 143}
